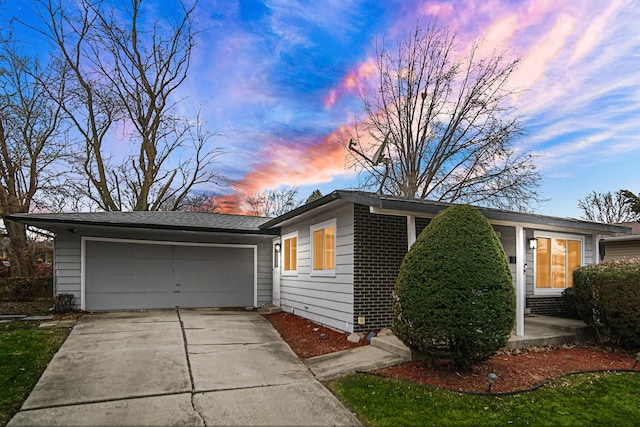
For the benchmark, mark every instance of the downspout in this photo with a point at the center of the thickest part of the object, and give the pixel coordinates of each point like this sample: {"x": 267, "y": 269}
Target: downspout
{"x": 520, "y": 279}
{"x": 411, "y": 230}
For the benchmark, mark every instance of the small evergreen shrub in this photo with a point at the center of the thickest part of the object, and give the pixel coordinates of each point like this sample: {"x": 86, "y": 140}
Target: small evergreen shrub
{"x": 64, "y": 303}
{"x": 454, "y": 298}
{"x": 607, "y": 297}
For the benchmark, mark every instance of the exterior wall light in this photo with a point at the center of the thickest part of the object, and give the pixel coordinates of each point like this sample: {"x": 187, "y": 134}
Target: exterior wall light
{"x": 533, "y": 244}
{"x": 278, "y": 247}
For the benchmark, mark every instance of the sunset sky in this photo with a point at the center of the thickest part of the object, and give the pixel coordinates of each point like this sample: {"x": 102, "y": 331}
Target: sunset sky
{"x": 279, "y": 80}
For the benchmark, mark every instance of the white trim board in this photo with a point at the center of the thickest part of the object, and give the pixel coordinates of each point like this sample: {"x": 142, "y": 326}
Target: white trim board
{"x": 83, "y": 253}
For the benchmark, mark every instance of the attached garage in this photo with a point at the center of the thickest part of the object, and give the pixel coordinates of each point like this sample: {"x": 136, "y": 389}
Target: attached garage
{"x": 122, "y": 274}
{"x": 147, "y": 260}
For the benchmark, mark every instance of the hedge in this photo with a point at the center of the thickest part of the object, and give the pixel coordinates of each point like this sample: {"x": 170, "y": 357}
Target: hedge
{"x": 607, "y": 296}
{"x": 26, "y": 288}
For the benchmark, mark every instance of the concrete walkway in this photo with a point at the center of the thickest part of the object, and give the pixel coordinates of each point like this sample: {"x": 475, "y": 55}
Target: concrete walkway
{"x": 192, "y": 367}
{"x": 367, "y": 358}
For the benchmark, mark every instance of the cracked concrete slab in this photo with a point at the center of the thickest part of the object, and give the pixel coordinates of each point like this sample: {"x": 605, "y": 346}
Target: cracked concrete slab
{"x": 136, "y": 368}
{"x": 88, "y": 376}
{"x": 169, "y": 410}
{"x": 241, "y": 366}
{"x": 301, "y": 404}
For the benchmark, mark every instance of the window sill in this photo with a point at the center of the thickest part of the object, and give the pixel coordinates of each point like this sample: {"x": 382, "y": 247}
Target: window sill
{"x": 323, "y": 273}
{"x": 551, "y": 293}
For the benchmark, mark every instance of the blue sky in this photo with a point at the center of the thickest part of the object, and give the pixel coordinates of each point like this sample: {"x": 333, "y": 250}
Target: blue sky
{"x": 279, "y": 80}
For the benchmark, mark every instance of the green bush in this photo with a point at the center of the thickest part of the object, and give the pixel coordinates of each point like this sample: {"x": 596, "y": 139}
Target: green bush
{"x": 64, "y": 303}
{"x": 454, "y": 298}
{"x": 26, "y": 288}
{"x": 607, "y": 297}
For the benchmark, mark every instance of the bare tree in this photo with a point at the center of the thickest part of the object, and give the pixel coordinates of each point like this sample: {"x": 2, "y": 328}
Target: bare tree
{"x": 632, "y": 201}
{"x": 200, "y": 203}
{"x": 448, "y": 125}
{"x": 123, "y": 71}
{"x": 32, "y": 145}
{"x": 609, "y": 208}
{"x": 272, "y": 203}
{"x": 315, "y": 195}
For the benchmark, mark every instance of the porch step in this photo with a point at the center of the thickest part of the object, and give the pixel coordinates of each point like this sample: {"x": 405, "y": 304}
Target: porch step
{"x": 365, "y": 358}
{"x": 269, "y": 309}
{"x": 578, "y": 328}
{"x": 392, "y": 344}
{"x": 535, "y": 339}
{"x": 540, "y": 331}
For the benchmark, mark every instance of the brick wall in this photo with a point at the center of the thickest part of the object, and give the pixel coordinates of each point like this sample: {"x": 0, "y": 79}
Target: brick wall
{"x": 421, "y": 223}
{"x": 380, "y": 244}
{"x": 547, "y": 306}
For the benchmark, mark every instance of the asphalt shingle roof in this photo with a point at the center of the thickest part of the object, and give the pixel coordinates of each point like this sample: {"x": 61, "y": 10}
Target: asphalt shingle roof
{"x": 403, "y": 204}
{"x": 197, "y": 221}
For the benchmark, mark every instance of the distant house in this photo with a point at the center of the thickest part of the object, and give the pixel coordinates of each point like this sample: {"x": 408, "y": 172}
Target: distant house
{"x": 333, "y": 260}
{"x": 623, "y": 246}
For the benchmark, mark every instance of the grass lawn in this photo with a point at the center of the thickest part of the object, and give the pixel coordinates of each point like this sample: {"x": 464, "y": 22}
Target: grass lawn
{"x": 595, "y": 399}
{"x": 25, "y": 350}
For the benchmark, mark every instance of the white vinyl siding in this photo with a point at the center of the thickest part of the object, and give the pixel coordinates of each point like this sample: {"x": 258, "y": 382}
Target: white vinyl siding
{"x": 66, "y": 264}
{"x": 323, "y": 299}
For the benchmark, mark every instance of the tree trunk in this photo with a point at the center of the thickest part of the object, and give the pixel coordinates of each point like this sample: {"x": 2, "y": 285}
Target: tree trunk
{"x": 20, "y": 254}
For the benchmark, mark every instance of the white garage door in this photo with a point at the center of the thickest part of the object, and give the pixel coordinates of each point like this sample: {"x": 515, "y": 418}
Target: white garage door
{"x": 122, "y": 275}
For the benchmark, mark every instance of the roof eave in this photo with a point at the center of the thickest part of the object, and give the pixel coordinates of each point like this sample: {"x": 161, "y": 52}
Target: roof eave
{"x": 507, "y": 216}
{"x": 300, "y": 210}
{"x": 43, "y": 222}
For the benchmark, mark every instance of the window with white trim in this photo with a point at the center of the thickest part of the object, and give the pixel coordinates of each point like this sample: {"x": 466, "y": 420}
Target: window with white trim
{"x": 323, "y": 248}
{"x": 290, "y": 253}
{"x": 556, "y": 259}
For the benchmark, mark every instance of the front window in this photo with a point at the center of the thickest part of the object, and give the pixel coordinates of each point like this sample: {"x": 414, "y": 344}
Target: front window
{"x": 290, "y": 253}
{"x": 556, "y": 258}
{"x": 323, "y": 237}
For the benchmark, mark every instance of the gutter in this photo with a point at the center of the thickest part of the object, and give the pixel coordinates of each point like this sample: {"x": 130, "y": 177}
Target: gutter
{"x": 145, "y": 226}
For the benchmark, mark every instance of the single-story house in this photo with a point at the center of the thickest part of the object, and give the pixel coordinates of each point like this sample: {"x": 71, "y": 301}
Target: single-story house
{"x": 623, "y": 246}
{"x": 333, "y": 260}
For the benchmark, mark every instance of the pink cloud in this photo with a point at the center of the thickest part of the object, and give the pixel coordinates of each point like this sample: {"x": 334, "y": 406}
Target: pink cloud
{"x": 436, "y": 8}
{"x": 291, "y": 165}
{"x": 354, "y": 81}
{"x": 546, "y": 49}
{"x": 594, "y": 31}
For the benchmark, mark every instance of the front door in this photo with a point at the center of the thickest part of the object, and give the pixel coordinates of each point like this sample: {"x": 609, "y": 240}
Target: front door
{"x": 276, "y": 271}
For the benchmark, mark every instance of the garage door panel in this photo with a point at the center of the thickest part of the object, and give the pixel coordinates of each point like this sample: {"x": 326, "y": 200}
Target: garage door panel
{"x": 132, "y": 300}
{"x": 123, "y": 275}
{"x": 127, "y": 284}
{"x": 107, "y": 259}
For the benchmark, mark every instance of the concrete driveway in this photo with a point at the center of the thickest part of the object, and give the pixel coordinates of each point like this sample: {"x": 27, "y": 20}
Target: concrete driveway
{"x": 193, "y": 367}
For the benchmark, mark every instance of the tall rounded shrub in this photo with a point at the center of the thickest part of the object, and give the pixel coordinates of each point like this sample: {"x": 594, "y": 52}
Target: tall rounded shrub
{"x": 454, "y": 298}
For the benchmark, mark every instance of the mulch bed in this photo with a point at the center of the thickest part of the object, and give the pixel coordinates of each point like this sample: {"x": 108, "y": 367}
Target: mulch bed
{"x": 516, "y": 370}
{"x": 309, "y": 339}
